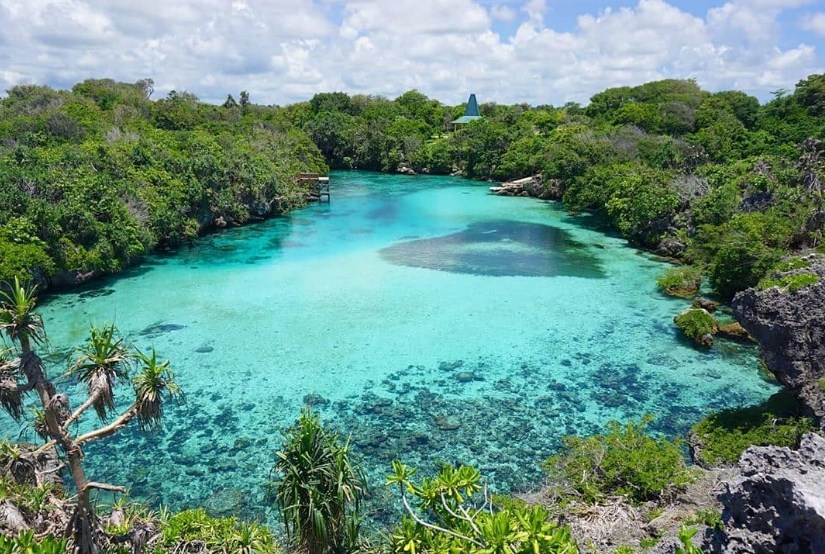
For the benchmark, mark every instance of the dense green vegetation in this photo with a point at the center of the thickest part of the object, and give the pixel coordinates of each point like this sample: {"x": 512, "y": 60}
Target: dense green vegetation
{"x": 722, "y": 437}
{"x": 93, "y": 178}
{"x": 682, "y": 281}
{"x": 624, "y": 461}
{"x": 452, "y": 512}
{"x": 97, "y": 176}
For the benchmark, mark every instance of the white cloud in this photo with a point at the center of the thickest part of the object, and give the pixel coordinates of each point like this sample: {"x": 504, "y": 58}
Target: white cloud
{"x": 503, "y": 13}
{"x": 290, "y": 49}
{"x": 814, "y": 22}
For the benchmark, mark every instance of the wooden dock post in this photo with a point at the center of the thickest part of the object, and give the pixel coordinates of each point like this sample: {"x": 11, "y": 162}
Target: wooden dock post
{"x": 318, "y": 185}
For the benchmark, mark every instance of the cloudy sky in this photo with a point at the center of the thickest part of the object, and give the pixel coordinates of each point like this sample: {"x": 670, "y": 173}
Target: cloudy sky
{"x": 536, "y": 51}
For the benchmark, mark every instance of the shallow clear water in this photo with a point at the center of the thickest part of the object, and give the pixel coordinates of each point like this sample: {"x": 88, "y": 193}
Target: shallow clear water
{"x": 431, "y": 321}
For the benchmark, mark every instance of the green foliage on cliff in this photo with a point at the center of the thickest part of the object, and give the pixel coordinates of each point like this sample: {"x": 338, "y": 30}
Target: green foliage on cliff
{"x": 780, "y": 277}
{"x": 789, "y": 283}
{"x": 722, "y": 437}
{"x": 102, "y": 174}
{"x": 94, "y": 178}
{"x": 735, "y": 183}
{"x": 625, "y": 460}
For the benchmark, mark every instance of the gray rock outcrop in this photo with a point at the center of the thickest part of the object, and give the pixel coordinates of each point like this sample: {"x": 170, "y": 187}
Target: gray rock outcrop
{"x": 790, "y": 328}
{"x": 777, "y": 503}
{"x": 528, "y": 186}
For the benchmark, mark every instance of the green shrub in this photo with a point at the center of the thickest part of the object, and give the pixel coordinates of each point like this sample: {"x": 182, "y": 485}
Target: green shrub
{"x": 723, "y": 436}
{"x": 194, "y": 529}
{"x": 319, "y": 488}
{"x": 789, "y": 282}
{"x": 711, "y": 518}
{"x": 695, "y": 323}
{"x": 625, "y": 461}
{"x": 681, "y": 281}
{"x": 26, "y": 543}
{"x": 686, "y": 546}
{"x": 447, "y": 515}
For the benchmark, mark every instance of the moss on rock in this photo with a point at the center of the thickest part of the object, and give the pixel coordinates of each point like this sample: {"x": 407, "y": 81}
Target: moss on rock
{"x": 698, "y": 325}
{"x": 683, "y": 282}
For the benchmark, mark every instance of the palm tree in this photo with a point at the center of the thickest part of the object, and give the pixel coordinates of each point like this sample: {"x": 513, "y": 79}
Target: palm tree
{"x": 104, "y": 361}
{"x": 320, "y": 489}
{"x": 17, "y": 317}
{"x": 155, "y": 379}
{"x": 101, "y": 363}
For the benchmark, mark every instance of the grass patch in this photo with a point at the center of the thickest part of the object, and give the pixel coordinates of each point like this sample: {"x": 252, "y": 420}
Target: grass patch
{"x": 695, "y": 323}
{"x": 725, "y": 435}
{"x": 789, "y": 283}
{"x": 625, "y": 461}
{"x": 680, "y": 281}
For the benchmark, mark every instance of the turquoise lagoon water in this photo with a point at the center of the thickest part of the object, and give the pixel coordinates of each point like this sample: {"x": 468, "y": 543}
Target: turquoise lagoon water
{"x": 424, "y": 317}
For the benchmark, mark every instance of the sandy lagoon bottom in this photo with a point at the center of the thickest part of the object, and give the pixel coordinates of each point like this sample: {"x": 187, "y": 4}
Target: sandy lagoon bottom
{"x": 423, "y": 317}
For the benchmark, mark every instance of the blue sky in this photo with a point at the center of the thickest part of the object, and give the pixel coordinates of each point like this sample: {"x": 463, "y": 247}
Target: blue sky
{"x": 535, "y": 51}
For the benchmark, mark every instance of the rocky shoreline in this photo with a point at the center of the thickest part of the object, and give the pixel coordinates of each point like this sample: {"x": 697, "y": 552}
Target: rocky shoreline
{"x": 774, "y": 499}
{"x": 790, "y": 328}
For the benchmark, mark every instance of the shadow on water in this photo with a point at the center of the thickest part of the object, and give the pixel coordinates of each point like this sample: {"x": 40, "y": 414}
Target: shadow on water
{"x": 501, "y": 248}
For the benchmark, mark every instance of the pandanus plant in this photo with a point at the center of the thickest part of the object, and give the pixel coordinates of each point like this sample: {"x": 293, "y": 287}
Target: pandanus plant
{"x": 105, "y": 361}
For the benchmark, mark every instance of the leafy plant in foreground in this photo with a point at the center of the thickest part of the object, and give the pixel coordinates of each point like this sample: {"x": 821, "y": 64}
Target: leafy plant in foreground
{"x": 624, "y": 461}
{"x": 319, "y": 488}
{"x": 26, "y": 543}
{"x": 723, "y": 436}
{"x": 106, "y": 360}
{"x": 195, "y": 531}
{"x": 450, "y": 517}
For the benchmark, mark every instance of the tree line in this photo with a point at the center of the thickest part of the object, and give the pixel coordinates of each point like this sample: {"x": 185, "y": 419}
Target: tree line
{"x": 94, "y": 178}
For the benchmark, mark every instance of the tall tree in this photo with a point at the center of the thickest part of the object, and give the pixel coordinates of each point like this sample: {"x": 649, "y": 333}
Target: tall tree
{"x": 105, "y": 361}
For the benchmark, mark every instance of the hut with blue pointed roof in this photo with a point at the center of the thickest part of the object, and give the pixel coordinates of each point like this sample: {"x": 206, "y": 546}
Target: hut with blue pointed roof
{"x": 470, "y": 112}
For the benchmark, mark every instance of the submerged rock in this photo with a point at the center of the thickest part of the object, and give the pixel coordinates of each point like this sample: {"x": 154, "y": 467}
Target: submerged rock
{"x": 449, "y": 366}
{"x": 160, "y": 328}
{"x": 465, "y": 376}
{"x": 777, "y": 502}
{"x": 734, "y": 331}
{"x": 790, "y": 328}
{"x": 447, "y": 423}
{"x": 705, "y": 304}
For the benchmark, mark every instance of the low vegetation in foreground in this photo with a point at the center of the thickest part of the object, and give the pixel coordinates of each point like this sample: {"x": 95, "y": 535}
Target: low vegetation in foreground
{"x": 722, "y": 437}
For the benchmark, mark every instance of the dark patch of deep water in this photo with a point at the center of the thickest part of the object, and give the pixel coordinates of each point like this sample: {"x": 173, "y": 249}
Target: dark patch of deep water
{"x": 500, "y": 248}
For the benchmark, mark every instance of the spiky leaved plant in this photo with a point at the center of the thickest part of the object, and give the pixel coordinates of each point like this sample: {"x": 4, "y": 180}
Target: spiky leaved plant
{"x": 105, "y": 361}
{"x": 320, "y": 488}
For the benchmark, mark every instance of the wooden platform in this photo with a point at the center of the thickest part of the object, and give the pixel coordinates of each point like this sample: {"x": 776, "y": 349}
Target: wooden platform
{"x": 318, "y": 186}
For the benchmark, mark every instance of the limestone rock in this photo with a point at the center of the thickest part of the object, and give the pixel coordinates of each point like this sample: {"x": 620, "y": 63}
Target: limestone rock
{"x": 706, "y": 304}
{"x": 733, "y": 331}
{"x": 790, "y": 328}
{"x": 777, "y": 502}
{"x": 671, "y": 247}
{"x": 528, "y": 186}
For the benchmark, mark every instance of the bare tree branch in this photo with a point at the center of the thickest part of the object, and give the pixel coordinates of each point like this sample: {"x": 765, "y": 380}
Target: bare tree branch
{"x": 110, "y": 429}
{"x": 420, "y": 521}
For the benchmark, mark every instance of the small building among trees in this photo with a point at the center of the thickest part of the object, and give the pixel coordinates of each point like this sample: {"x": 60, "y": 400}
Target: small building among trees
{"x": 470, "y": 113}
